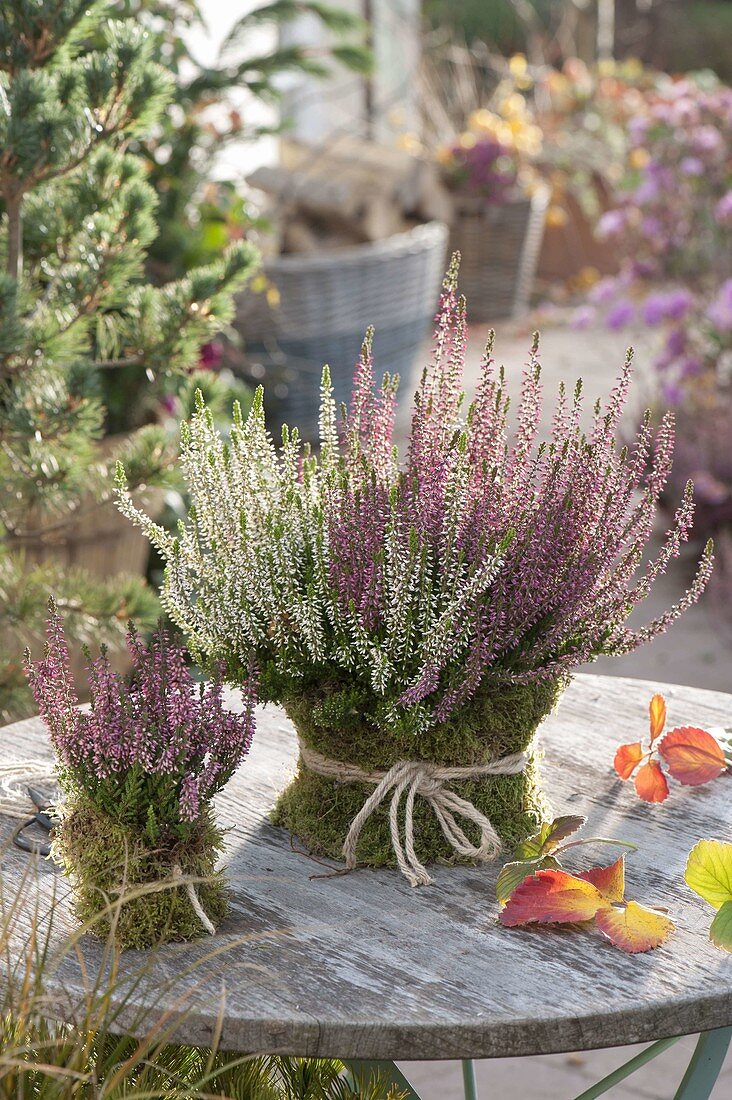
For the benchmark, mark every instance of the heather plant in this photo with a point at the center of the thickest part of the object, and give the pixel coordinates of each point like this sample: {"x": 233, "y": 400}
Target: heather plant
{"x": 139, "y": 770}
{"x": 424, "y": 609}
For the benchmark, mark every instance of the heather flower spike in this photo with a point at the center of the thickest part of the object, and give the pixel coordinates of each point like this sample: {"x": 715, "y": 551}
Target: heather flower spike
{"x": 480, "y": 558}
{"x": 161, "y": 732}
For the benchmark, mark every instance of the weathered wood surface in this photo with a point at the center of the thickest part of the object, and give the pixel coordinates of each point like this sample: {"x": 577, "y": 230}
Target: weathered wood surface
{"x": 362, "y": 965}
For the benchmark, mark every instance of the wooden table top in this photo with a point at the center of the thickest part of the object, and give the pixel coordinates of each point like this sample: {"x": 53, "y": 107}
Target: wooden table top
{"x": 363, "y": 965}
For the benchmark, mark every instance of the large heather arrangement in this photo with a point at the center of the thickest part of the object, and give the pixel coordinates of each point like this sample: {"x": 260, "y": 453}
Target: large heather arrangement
{"x": 139, "y": 770}
{"x": 428, "y": 609}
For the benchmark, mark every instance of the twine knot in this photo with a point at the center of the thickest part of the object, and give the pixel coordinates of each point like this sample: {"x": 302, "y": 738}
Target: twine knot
{"x": 409, "y": 779}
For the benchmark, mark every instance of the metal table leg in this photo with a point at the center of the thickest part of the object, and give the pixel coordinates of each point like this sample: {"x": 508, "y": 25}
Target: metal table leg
{"x": 705, "y": 1065}
{"x": 469, "y": 1086}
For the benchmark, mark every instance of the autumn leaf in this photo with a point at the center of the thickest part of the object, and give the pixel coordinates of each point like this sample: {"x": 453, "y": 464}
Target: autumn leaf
{"x": 627, "y": 758}
{"x": 634, "y": 928}
{"x": 650, "y": 782}
{"x": 513, "y": 874}
{"x": 721, "y": 931}
{"x": 657, "y": 712}
{"x": 610, "y": 881}
{"x": 692, "y": 755}
{"x": 552, "y": 897}
{"x": 709, "y": 871}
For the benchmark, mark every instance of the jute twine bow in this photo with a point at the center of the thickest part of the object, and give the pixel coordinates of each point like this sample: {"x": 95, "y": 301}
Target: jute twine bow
{"x": 418, "y": 777}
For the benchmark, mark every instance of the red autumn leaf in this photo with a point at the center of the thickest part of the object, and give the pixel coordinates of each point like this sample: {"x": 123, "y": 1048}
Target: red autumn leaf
{"x": 627, "y": 759}
{"x": 650, "y": 783}
{"x": 552, "y": 897}
{"x": 610, "y": 881}
{"x": 693, "y": 756}
{"x": 657, "y": 712}
{"x": 634, "y": 928}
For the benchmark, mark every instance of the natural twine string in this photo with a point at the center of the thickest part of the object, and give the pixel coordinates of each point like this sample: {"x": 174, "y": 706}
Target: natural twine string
{"x": 14, "y": 780}
{"x": 195, "y": 902}
{"x": 16, "y": 802}
{"x": 418, "y": 777}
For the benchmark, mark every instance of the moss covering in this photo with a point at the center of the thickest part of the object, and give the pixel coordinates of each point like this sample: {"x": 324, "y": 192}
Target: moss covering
{"x": 105, "y": 862}
{"x": 336, "y": 719}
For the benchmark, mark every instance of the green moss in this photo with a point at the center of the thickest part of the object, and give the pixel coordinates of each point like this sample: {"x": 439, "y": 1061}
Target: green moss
{"x": 107, "y": 863}
{"x": 336, "y": 719}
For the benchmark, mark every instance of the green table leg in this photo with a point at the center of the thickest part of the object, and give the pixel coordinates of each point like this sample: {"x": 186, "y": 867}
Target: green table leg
{"x": 469, "y": 1086}
{"x": 389, "y": 1072}
{"x": 705, "y": 1065}
{"x": 628, "y": 1068}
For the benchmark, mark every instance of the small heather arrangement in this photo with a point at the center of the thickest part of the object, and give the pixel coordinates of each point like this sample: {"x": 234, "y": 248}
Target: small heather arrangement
{"x": 491, "y": 159}
{"x": 138, "y": 771}
{"x": 482, "y": 167}
{"x": 421, "y": 612}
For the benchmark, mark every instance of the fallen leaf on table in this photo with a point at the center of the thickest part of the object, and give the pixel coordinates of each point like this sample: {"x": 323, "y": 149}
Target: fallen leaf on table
{"x": 692, "y": 755}
{"x": 634, "y": 928}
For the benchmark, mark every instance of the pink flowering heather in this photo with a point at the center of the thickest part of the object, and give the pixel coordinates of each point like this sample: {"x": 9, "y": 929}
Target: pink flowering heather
{"x": 151, "y": 751}
{"x": 482, "y": 557}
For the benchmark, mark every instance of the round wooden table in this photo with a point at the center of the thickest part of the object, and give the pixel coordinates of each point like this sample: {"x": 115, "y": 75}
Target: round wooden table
{"x": 365, "y": 968}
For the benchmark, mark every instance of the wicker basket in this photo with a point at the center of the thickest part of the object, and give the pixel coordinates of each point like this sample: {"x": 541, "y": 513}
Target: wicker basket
{"x": 500, "y": 246}
{"x": 327, "y": 301}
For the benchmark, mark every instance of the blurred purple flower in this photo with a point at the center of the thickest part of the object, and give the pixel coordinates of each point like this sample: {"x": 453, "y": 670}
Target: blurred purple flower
{"x": 604, "y": 292}
{"x": 621, "y": 314}
{"x": 211, "y": 356}
{"x": 655, "y": 309}
{"x": 720, "y": 311}
{"x": 651, "y": 227}
{"x": 582, "y": 317}
{"x": 691, "y": 366}
{"x": 675, "y": 342}
{"x": 611, "y": 223}
{"x": 706, "y": 139}
{"x": 672, "y": 393}
{"x": 692, "y": 166}
{"x": 723, "y": 210}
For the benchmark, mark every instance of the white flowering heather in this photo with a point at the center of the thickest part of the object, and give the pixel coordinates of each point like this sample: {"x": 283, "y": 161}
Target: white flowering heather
{"x": 480, "y": 558}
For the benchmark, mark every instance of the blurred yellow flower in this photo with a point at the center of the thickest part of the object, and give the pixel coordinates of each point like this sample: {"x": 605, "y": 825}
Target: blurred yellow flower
{"x": 467, "y": 140}
{"x": 639, "y": 158}
{"x": 482, "y": 120}
{"x": 518, "y": 65}
{"x": 410, "y": 143}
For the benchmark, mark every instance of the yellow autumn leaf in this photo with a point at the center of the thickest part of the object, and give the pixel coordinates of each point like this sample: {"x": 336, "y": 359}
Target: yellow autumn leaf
{"x": 634, "y": 928}
{"x": 709, "y": 871}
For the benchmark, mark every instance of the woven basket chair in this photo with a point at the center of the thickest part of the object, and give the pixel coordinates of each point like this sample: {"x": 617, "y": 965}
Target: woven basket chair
{"x": 327, "y": 301}
{"x": 500, "y": 246}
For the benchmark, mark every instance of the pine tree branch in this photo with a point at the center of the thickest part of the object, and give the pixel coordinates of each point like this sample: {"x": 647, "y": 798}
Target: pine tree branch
{"x": 13, "y": 212}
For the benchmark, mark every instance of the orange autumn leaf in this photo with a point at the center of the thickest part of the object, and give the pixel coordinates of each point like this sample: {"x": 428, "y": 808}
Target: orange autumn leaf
{"x": 650, "y": 783}
{"x": 657, "y": 712}
{"x": 634, "y": 928}
{"x": 692, "y": 755}
{"x": 627, "y": 759}
{"x": 610, "y": 881}
{"x": 552, "y": 897}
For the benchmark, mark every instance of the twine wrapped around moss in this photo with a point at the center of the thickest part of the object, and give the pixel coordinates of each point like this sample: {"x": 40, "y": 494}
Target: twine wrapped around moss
{"x": 142, "y": 891}
{"x": 336, "y": 720}
{"x": 412, "y": 778}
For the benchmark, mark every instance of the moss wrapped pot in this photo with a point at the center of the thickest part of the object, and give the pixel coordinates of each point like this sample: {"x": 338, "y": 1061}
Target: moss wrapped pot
{"x": 136, "y": 832}
{"x": 337, "y": 723}
{"x": 417, "y": 614}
